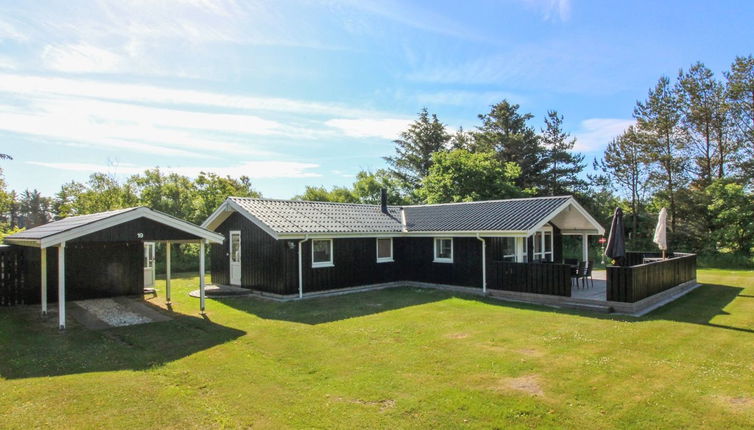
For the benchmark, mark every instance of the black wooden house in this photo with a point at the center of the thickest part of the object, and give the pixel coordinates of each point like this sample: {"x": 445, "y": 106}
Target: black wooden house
{"x": 294, "y": 248}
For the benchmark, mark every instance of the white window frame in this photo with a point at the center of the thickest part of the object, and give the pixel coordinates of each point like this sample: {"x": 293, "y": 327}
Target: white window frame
{"x": 513, "y": 257}
{"x": 543, "y": 253}
{"x": 442, "y": 259}
{"x": 322, "y": 263}
{"x": 377, "y": 250}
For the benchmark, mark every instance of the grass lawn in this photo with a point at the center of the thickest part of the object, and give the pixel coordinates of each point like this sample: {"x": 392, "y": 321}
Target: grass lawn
{"x": 390, "y": 359}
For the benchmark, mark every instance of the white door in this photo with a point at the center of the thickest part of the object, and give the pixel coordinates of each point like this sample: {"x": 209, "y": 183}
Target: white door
{"x": 235, "y": 258}
{"x": 148, "y": 264}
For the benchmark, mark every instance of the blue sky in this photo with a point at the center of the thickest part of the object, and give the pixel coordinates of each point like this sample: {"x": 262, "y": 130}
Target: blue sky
{"x": 295, "y": 93}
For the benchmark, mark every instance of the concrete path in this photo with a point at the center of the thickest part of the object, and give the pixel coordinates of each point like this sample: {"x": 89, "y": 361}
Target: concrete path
{"x": 98, "y": 314}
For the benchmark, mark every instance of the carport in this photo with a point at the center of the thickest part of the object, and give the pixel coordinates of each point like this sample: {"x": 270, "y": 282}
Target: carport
{"x": 109, "y": 249}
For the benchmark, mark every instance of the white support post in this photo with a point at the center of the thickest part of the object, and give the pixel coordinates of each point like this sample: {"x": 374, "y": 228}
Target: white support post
{"x": 167, "y": 273}
{"x": 585, "y": 247}
{"x": 201, "y": 276}
{"x": 43, "y": 278}
{"x": 61, "y": 285}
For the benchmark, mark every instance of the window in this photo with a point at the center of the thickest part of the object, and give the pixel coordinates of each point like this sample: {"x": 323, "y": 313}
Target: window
{"x": 443, "y": 250}
{"x": 322, "y": 253}
{"x": 385, "y": 250}
{"x": 235, "y": 246}
{"x": 509, "y": 249}
{"x": 542, "y": 245}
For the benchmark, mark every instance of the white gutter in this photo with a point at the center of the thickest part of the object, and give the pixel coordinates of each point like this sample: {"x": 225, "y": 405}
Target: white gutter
{"x": 301, "y": 267}
{"x": 484, "y": 264}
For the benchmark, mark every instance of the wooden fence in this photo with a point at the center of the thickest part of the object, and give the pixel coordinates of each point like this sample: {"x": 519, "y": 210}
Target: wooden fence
{"x": 633, "y": 283}
{"x": 537, "y": 278}
{"x": 12, "y": 277}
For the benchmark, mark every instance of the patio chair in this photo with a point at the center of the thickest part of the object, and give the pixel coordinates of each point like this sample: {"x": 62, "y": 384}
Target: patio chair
{"x": 587, "y": 273}
{"x": 576, "y": 272}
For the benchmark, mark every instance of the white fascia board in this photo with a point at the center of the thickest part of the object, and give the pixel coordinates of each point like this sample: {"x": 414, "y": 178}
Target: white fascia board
{"x": 217, "y": 217}
{"x": 130, "y": 216}
{"x": 291, "y": 236}
{"x": 571, "y": 201}
{"x": 597, "y": 226}
{"x": 238, "y": 208}
{"x": 35, "y": 243}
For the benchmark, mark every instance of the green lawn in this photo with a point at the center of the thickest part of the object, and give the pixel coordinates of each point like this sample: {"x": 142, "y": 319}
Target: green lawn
{"x": 394, "y": 358}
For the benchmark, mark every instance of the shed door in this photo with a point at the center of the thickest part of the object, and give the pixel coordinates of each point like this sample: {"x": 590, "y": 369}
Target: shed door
{"x": 148, "y": 264}
{"x": 235, "y": 258}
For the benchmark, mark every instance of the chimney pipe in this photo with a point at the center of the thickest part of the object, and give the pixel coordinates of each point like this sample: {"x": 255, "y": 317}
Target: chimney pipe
{"x": 383, "y": 200}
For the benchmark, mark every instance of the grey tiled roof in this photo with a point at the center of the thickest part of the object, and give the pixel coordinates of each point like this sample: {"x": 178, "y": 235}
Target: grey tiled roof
{"x": 292, "y": 216}
{"x": 65, "y": 224}
{"x": 493, "y": 215}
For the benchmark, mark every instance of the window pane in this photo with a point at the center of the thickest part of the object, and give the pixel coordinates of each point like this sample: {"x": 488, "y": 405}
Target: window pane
{"x": 537, "y": 243}
{"x": 509, "y": 246}
{"x": 444, "y": 248}
{"x": 321, "y": 251}
{"x": 548, "y": 241}
{"x": 235, "y": 248}
{"x": 384, "y": 249}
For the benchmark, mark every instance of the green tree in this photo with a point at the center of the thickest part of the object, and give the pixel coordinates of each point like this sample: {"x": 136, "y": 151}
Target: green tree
{"x": 706, "y": 122}
{"x": 211, "y": 190}
{"x": 562, "y": 166}
{"x": 170, "y": 193}
{"x": 740, "y": 97}
{"x": 322, "y": 194}
{"x": 505, "y": 132}
{"x": 34, "y": 208}
{"x": 368, "y": 188}
{"x": 624, "y": 165}
{"x": 102, "y": 192}
{"x": 462, "y": 139}
{"x": 414, "y": 149}
{"x": 659, "y": 121}
{"x": 733, "y": 210}
{"x": 463, "y": 176}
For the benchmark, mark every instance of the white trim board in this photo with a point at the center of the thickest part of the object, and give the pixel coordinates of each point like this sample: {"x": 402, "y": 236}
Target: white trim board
{"x": 120, "y": 218}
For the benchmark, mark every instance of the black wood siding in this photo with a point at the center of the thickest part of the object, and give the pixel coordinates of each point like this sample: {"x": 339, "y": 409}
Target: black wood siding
{"x": 355, "y": 263}
{"x": 92, "y": 270}
{"x": 128, "y": 231}
{"x": 266, "y": 264}
{"x": 417, "y": 254}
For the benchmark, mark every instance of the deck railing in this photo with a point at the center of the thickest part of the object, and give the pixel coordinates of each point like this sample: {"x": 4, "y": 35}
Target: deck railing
{"x": 537, "y": 278}
{"x": 633, "y": 283}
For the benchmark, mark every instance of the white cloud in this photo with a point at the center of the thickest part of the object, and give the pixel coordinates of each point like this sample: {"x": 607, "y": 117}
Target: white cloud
{"x": 465, "y": 98}
{"x": 45, "y": 86}
{"x": 80, "y": 58}
{"x": 389, "y": 128}
{"x": 552, "y": 9}
{"x": 594, "y": 134}
{"x": 270, "y": 169}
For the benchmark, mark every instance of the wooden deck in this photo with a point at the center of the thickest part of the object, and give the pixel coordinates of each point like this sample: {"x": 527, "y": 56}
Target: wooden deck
{"x": 598, "y": 291}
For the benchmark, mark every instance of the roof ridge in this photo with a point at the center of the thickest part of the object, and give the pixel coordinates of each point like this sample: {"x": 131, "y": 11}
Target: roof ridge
{"x": 490, "y": 201}
{"x": 307, "y": 201}
{"x": 96, "y": 213}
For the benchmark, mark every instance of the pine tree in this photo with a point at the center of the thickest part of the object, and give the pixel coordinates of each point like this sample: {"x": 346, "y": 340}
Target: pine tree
{"x": 562, "y": 165}
{"x": 505, "y": 131}
{"x": 624, "y": 164}
{"x": 659, "y": 121}
{"x": 705, "y": 121}
{"x": 413, "y": 151}
{"x": 740, "y": 97}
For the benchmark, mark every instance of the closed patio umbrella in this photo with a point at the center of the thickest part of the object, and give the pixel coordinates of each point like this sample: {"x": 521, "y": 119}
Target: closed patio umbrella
{"x": 661, "y": 232}
{"x": 616, "y": 245}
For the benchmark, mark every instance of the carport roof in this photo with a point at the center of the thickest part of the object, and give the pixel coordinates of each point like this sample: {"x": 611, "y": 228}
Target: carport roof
{"x": 54, "y": 233}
